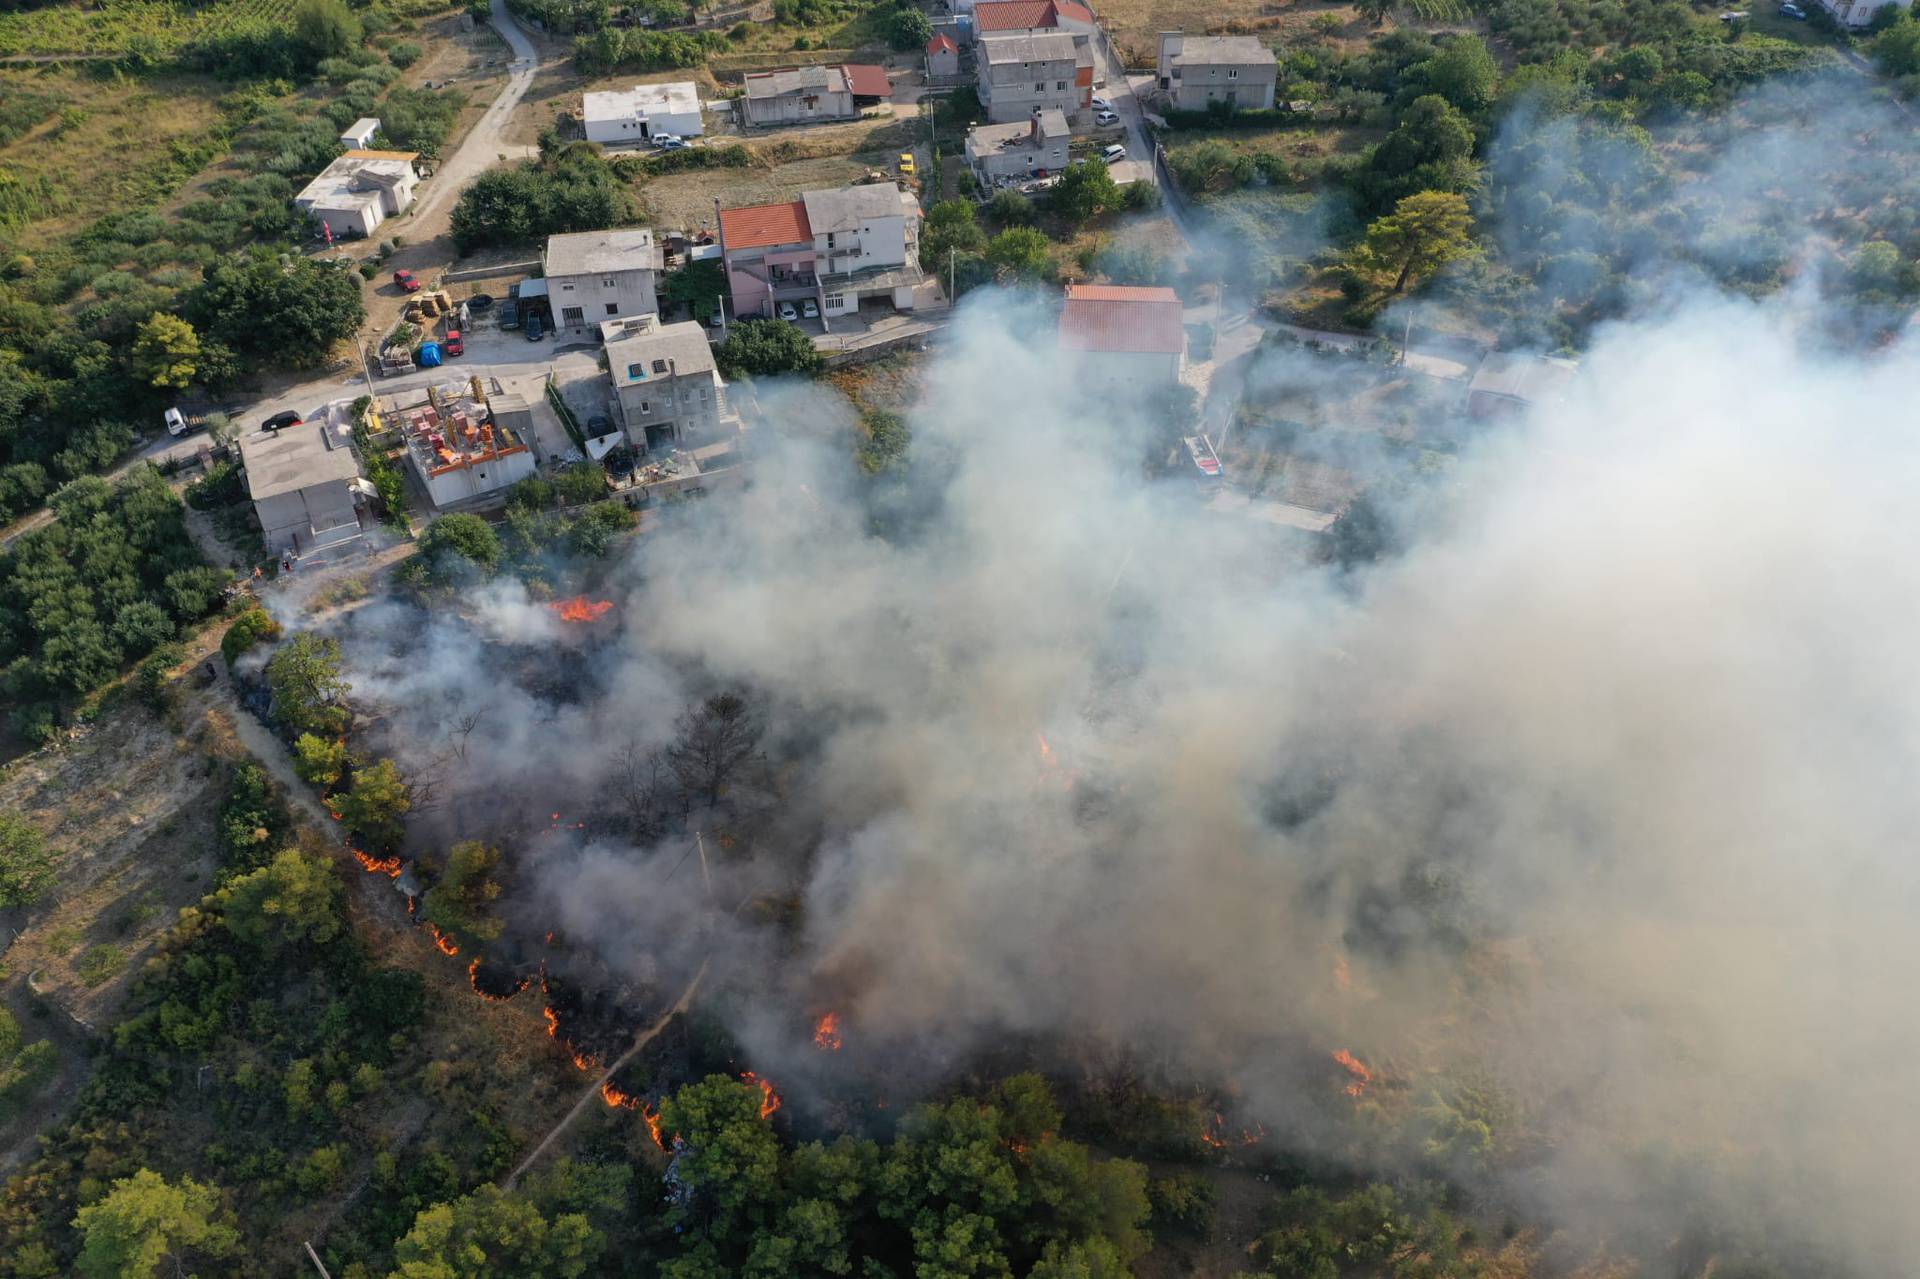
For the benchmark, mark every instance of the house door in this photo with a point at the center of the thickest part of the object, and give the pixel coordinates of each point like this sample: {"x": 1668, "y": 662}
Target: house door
{"x": 659, "y": 436}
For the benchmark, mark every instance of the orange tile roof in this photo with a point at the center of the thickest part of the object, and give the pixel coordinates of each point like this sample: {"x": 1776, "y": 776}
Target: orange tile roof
{"x": 1122, "y": 318}
{"x": 865, "y": 80}
{"x": 942, "y": 43}
{"x": 1068, "y": 9}
{"x": 1014, "y": 15}
{"x": 755, "y": 226}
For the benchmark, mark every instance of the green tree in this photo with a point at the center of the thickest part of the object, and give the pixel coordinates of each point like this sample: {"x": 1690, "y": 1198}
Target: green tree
{"x": 1020, "y": 253}
{"x": 490, "y": 1234}
{"x": 1084, "y": 192}
{"x": 884, "y": 447}
{"x": 166, "y": 352}
{"x": 26, "y": 863}
{"x": 732, "y": 1159}
{"x": 376, "y": 805}
{"x": 255, "y": 626}
{"x": 454, "y": 548}
{"x": 909, "y": 29}
{"x": 319, "y": 760}
{"x": 1876, "y": 269}
{"x": 1896, "y": 51}
{"x": 698, "y": 286}
{"x": 766, "y": 348}
{"x": 1422, "y": 234}
{"x": 950, "y": 225}
{"x": 461, "y": 898}
{"x": 1430, "y": 149}
{"x": 326, "y": 28}
{"x": 1374, "y": 11}
{"x": 278, "y": 312}
{"x": 1463, "y": 72}
{"x": 143, "y": 1222}
{"x": 308, "y": 689}
{"x": 294, "y": 898}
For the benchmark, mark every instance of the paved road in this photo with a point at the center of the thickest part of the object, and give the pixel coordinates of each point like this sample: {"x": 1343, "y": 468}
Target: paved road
{"x": 485, "y": 142}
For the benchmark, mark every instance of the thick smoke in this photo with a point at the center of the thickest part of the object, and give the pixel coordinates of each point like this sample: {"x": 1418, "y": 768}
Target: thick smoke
{"x": 1602, "y": 787}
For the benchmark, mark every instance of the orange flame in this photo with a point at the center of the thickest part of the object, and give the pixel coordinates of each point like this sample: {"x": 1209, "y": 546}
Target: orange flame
{"x": 1046, "y": 751}
{"x": 769, "y": 1099}
{"x": 617, "y": 1099}
{"x": 1211, "y": 1133}
{"x": 652, "y": 1117}
{"x": 473, "y": 980}
{"x": 826, "y": 1035}
{"x": 1355, "y": 1067}
{"x": 444, "y": 942}
{"x": 585, "y": 1061}
{"x": 388, "y": 866}
{"x": 581, "y": 609}
{"x": 553, "y": 1022}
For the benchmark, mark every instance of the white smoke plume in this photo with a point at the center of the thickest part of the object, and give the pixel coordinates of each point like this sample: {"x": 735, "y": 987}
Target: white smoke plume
{"x": 1603, "y": 787}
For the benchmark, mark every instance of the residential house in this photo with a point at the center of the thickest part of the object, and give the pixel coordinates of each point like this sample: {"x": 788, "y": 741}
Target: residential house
{"x": 465, "y": 449}
{"x": 302, "y": 482}
{"x": 804, "y": 95}
{"x": 1514, "y": 381}
{"x": 1019, "y": 74}
{"x": 360, "y": 135}
{"x": 1124, "y": 337}
{"x": 1858, "y": 13}
{"x": 1030, "y": 17}
{"x": 840, "y": 248}
{"x": 665, "y": 381}
{"x": 1195, "y": 71}
{"x": 593, "y": 276}
{"x": 943, "y": 57}
{"x": 643, "y": 112}
{"x": 359, "y": 190}
{"x": 1000, "y": 154}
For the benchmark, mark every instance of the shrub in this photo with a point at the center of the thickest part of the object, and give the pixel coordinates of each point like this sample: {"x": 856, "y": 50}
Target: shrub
{"x": 404, "y": 54}
{"x": 255, "y": 626}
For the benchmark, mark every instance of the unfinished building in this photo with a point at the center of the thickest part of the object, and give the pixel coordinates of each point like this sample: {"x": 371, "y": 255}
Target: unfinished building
{"x": 466, "y": 442}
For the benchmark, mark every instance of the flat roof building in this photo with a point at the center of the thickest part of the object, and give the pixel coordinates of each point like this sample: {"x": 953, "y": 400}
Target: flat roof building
{"x": 301, "y": 480}
{"x": 643, "y": 112}
{"x": 359, "y": 191}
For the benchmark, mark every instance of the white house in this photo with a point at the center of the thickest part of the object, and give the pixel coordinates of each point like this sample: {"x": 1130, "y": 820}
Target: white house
{"x": 1858, "y": 13}
{"x": 465, "y": 451}
{"x": 360, "y": 190}
{"x": 360, "y": 136}
{"x": 593, "y": 276}
{"x": 301, "y": 482}
{"x": 664, "y": 378}
{"x": 1196, "y": 71}
{"x": 1125, "y": 339}
{"x": 1003, "y": 153}
{"x": 642, "y": 112}
{"x": 943, "y": 57}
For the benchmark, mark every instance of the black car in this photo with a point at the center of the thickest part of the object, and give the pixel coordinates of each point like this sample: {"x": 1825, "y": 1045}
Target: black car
{"x": 509, "y": 314}
{"x": 281, "y": 421}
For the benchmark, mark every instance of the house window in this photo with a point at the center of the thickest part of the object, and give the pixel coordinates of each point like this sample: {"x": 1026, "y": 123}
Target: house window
{"x": 572, "y": 315}
{"x": 1059, "y": 84}
{"x": 659, "y": 366}
{"x": 606, "y": 281}
{"x": 638, "y": 372}
{"x": 566, "y": 288}
{"x": 1233, "y": 75}
{"x": 613, "y": 308}
{"x": 646, "y": 406}
{"x": 1041, "y": 87}
{"x": 829, "y": 239}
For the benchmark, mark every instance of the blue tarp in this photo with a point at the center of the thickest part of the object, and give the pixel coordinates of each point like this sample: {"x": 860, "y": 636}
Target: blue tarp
{"x": 429, "y": 355}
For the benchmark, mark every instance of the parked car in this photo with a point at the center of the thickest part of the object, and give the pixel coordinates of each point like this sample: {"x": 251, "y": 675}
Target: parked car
{"x": 1114, "y": 154}
{"x": 281, "y": 421}
{"x": 1794, "y": 11}
{"x": 1105, "y": 118}
{"x": 509, "y": 314}
{"x": 1101, "y": 104}
{"x": 534, "y": 329}
{"x": 407, "y": 281}
{"x": 598, "y": 425}
{"x": 907, "y": 167}
{"x": 666, "y": 139}
{"x": 454, "y": 343}
{"x": 787, "y": 312}
{"x": 810, "y": 310}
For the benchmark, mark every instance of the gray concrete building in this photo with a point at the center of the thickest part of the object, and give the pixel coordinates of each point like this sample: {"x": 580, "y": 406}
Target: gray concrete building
{"x": 1019, "y": 74}
{"x": 804, "y": 95}
{"x": 301, "y": 480}
{"x": 664, "y": 379}
{"x": 594, "y": 276}
{"x": 1196, "y": 71}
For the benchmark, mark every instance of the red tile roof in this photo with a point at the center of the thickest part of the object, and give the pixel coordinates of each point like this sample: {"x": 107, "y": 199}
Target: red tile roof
{"x": 756, "y": 226}
{"x": 942, "y": 43}
{"x": 1014, "y": 15}
{"x": 1068, "y": 9}
{"x": 1119, "y": 318}
{"x": 867, "y": 80}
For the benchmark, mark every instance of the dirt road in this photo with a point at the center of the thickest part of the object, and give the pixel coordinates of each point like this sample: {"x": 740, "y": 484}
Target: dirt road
{"x": 485, "y": 143}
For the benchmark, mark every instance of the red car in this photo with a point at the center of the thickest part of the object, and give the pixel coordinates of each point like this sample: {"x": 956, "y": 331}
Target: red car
{"x": 455, "y": 344}
{"x": 406, "y": 280}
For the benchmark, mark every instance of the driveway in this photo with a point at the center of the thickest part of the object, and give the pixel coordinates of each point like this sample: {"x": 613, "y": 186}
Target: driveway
{"x": 485, "y": 143}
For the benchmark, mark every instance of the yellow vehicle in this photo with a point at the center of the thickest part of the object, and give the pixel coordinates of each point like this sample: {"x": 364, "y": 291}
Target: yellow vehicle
{"x": 906, "y": 164}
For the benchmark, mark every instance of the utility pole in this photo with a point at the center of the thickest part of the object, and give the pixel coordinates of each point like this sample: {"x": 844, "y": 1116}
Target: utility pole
{"x": 950, "y": 275}
{"x": 700, "y": 841}
{"x": 316, "y": 1261}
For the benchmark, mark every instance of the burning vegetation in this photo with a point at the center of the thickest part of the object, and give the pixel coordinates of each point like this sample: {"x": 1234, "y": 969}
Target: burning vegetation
{"x": 581, "y": 609}
{"x": 1361, "y": 1076}
{"x": 826, "y": 1033}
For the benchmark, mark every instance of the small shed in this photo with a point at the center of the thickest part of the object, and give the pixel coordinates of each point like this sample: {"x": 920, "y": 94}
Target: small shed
{"x": 360, "y": 136}
{"x": 943, "y": 57}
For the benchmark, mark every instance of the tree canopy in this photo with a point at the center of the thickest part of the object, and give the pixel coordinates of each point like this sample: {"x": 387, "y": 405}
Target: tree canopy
{"x": 766, "y": 348}
{"x": 145, "y": 1221}
{"x": 1422, "y": 234}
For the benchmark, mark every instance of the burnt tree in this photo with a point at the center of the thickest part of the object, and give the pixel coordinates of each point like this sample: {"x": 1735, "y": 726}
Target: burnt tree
{"x": 712, "y": 742}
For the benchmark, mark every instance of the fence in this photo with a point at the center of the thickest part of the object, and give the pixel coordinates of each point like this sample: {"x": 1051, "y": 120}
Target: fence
{"x": 567, "y": 419}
